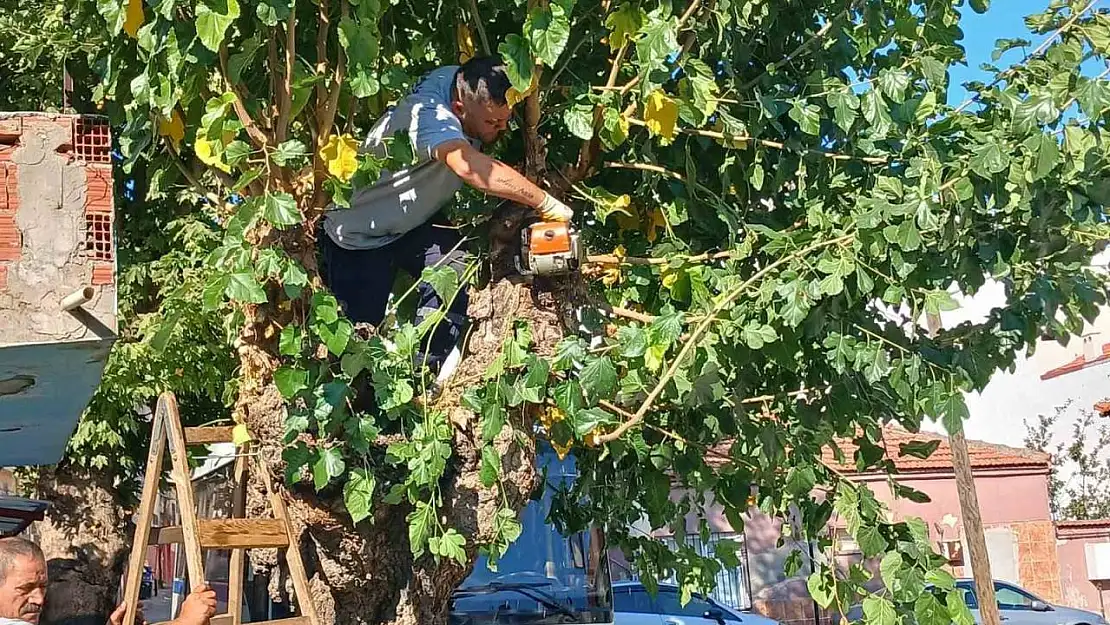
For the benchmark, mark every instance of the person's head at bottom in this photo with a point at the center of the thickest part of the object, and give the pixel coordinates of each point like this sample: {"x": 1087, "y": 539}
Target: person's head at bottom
{"x": 22, "y": 580}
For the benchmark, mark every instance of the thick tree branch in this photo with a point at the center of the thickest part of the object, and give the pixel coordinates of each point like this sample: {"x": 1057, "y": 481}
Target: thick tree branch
{"x": 610, "y": 259}
{"x": 257, "y": 135}
{"x": 592, "y": 148}
{"x": 874, "y": 160}
{"x": 285, "y": 98}
{"x": 691, "y": 343}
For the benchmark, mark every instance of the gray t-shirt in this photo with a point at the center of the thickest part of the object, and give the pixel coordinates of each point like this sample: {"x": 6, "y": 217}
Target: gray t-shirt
{"x": 402, "y": 200}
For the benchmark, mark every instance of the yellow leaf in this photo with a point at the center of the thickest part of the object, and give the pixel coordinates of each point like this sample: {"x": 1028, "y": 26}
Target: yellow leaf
{"x": 661, "y": 115}
{"x": 173, "y": 129}
{"x": 513, "y": 96}
{"x": 134, "y": 19}
{"x": 656, "y": 221}
{"x": 561, "y": 449}
{"x": 465, "y": 42}
{"x": 669, "y": 278}
{"x": 592, "y": 437}
{"x": 611, "y": 275}
{"x": 341, "y": 155}
{"x": 206, "y": 152}
{"x": 619, "y": 251}
{"x": 240, "y": 434}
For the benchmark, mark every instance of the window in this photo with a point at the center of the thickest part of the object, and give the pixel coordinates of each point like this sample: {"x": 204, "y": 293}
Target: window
{"x": 634, "y": 600}
{"x": 969, "y": 595}
{"x": 1010, "y": 598}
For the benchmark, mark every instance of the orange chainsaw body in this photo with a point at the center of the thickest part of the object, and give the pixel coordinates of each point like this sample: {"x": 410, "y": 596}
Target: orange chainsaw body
{"x": 549, "y": 247}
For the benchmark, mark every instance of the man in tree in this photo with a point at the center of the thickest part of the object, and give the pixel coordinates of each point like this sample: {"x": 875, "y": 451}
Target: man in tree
{"x": 392, "y": 224}
{"x": 23, "y": 589}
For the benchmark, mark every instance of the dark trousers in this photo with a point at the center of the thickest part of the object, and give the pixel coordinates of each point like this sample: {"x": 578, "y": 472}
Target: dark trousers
{"x": 362, "y": 280}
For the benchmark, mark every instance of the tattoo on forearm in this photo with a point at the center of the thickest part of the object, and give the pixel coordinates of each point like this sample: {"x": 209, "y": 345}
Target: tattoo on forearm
{"x": 508, "y": 182}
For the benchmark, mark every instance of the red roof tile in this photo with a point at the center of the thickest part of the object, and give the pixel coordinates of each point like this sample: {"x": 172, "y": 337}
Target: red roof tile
{"x": 1100, "y": 523}
{"x": 983, "y": 455}
{"x": 1103, "y": 408}
{"x": 1080, "y": 362}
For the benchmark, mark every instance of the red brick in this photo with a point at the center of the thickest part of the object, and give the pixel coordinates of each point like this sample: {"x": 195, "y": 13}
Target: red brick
{"x": 103, "y": 273}
{"x": 98, "y": 189}
{"x": 11, "y": 241}
{"x": 9, "y": 188}
{"x": 3, "y": 278}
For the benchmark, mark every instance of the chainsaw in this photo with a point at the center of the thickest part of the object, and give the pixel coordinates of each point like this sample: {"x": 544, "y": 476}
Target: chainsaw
{"x": 549, "y": 248}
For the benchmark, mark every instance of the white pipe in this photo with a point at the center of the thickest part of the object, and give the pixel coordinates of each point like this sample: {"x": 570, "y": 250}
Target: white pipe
{"x": 78, "y": 298}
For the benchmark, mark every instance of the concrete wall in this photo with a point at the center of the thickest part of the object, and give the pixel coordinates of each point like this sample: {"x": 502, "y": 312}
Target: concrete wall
{"x": 55, "y": 227}
{"x": 1071, "y": 545}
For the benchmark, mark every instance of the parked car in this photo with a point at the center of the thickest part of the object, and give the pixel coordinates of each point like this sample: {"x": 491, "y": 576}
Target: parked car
{"x": 634, "y": 605}
{"x": 1016, "y": 606}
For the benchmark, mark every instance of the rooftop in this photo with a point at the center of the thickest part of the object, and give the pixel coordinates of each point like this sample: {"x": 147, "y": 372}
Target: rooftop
{"x": 983, "y": 455}
{"x": 1081, "y": 361}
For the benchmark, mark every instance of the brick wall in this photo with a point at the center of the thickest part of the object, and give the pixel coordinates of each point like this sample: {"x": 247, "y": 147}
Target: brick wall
{"x": 56, "y": 212}
{"x": 1037, "y": 557}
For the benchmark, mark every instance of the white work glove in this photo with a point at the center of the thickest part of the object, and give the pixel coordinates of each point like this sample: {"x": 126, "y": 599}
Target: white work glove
{"x": 554, "y": 210}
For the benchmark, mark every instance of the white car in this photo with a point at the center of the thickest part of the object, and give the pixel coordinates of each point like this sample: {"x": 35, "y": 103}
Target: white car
{"x": 634, "y": 605}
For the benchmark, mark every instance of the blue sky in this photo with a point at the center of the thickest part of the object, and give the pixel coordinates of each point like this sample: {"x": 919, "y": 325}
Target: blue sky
{"x": 1004, "y": 20}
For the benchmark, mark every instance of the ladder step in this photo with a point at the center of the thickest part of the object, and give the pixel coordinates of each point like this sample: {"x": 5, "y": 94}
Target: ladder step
{"x": 227, "y": 534}
{"x": 206, "y": 435}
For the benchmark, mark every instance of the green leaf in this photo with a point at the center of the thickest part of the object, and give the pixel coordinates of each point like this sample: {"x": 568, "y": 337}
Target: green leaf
{"x": 214, "y": 290}
{"x": 756, "y": 335}
{"x": 614, "y": 130}
{"x": 236, "y": 152}
{"x": 296, "y": 422}
{"x": 633, "y": 341}
{"x": 113, "y": 13}
{"x": 878, "y": 611}
{"x": 289, "y": 152}
{"x": 876, "y": 113}
{"x": 871, "y": 542}
{"x": 658, "y": 40}
{"x": 918, "y": 449}
{"x": 1045, "y": 152}
{"x": 358, "y": 494}
{"x": 548, "y": 30}
{"x": 212, "y": 19}
{"x": 623, "y": 24}
{"x": 890, "y": 567}
{"x": 928, "y": 611}
{"x": 957, "y": 609}
{"x": 845, "y": 108}
{"x": 939, "y": 300}
{"x": 800, "y": 481}
{"x": 291, "y": 341}
{"x": 359, "y": 41}
{"x": 519, "y": 63}
{"x": 905, "y": 235}
{"x": 328, "y": 466}
{"x": 599, "y": 378}
{"x": 243, "y": 287}
{"x": 420, "y": 521}
{"x": 590, "y": 419}
{"x": 336, "y": 336}
{"x": 443, "y": 280}
{"x": 290, "y": 381}
{"x": 295, "y": 457}
{"x": 280, "y": 210}
{"x": 491, "y": 466}
{"x": 941, "y": 579}
{"x": 580, "y": 121}
{"x": 452, "y": 545}
{"x": 893, "y": 83}
{"x": 820, "y": 589}
{"x": 980, "y": 6}
{"x": 270, "y": 12}
{"x": 988, "y": 159}
{"x": 808, "y": 117}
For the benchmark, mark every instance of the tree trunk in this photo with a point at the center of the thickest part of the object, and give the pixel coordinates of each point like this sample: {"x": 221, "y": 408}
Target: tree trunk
{"x": 85, "y": 537}
{"x": 366, "y": 573}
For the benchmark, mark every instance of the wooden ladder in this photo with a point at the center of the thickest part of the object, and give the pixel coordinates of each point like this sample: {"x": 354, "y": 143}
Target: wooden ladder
{"x": 236, "y": 533}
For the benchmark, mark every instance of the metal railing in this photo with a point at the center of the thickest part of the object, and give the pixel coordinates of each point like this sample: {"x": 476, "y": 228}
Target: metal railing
{"x": 733, "y": 584}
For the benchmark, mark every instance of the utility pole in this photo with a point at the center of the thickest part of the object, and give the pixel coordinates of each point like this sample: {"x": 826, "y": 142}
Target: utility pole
{"x": 973, "y": 522}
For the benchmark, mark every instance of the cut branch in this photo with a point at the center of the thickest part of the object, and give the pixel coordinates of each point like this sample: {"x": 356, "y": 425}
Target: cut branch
{"x": 703, "y": 327}
{"x": 611, "y": 259}
{"x": 875, "y": 160}
{"x": 646, "y": 167}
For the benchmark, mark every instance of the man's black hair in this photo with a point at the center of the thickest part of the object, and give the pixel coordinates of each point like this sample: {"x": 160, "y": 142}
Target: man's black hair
{"x": 13, "y": 548}
{"x": 482, "y": 78}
